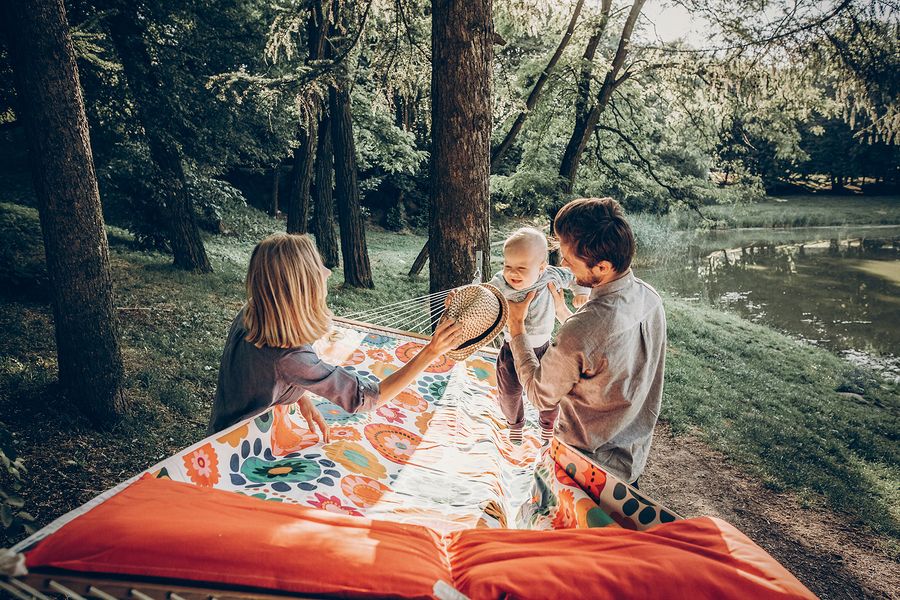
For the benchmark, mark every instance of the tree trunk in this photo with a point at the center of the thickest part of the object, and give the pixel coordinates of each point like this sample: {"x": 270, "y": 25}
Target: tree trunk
{"x": 304, "y": 157}
{"x": 52, "y": 107}
{"x": 584, "y": 127}
{"x": 301, "y": 179}
{"x": 461, "y": 56}
{"x": 273, "y": 199}
{"x": 420, "y": 261}
{"x": 323, "y": 217}
{"x": 357, "y": 272}
{"x": 530, "y": 103}
{"x": 153, "y": 110}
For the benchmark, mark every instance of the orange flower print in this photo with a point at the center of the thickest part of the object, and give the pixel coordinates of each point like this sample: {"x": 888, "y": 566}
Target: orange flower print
{"x": 345, "y": 433}
{"x": 354, "y": 457}
{"x": 482, "y": 370}
{"x": 202, "y": 466}
{"x": 565, "y": 512}
{"x": 363, "y": 491}
{"x": 234, "y": 437}
{"x": 423, "y": 421}
{"x": 411, "y": 401}
{"x": 382, "y": 369}
{"x": 379, "y": 355}
{"x": 355, "y": 358}
{"x": 399, "y": 445}
{"x": 333, "y": 504}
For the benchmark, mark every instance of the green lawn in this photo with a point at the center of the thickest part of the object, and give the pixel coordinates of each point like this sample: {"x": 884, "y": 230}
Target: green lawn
{"x": 768, "y": 402}
{"x": 802, "y": 211}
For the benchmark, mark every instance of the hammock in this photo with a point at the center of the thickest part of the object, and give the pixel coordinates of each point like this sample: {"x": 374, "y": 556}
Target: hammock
{"x": 425, "y": 497}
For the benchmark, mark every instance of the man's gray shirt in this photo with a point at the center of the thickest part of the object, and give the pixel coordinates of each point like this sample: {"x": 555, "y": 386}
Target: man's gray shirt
{"x": 252, "y": 379}
{"x": 605, "y": 371}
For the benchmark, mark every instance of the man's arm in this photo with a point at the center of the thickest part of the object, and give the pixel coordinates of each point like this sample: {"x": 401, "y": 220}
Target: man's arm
{"x": 548, "y": 380}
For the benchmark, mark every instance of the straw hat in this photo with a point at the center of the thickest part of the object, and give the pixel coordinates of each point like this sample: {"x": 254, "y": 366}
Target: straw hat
{"x": 482, "y": 311}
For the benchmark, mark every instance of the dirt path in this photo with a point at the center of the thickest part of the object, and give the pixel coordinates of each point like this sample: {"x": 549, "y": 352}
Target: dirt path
{"x": 832, "y": 558}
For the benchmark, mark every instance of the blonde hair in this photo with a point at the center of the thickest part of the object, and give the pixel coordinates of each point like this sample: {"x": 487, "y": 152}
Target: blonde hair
{"x": 285, "y": 293}
{"x": 530, "y": 237}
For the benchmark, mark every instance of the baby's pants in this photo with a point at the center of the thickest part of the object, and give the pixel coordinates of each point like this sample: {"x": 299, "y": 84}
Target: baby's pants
{"x": 511, "y": 390}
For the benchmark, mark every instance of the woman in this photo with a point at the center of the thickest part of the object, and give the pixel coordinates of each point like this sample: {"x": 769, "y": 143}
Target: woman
{"x": 268, "y": 357}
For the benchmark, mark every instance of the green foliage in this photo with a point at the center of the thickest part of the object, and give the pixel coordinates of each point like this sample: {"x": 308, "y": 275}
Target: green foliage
{"x": 23, "y": 268}
{"x": 14, "y": 519}
{"x": 395, "y": 220}
{"x": 213, "y": 199}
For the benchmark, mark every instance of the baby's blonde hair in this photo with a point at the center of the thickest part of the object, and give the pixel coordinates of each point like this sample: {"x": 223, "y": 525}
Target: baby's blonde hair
{"x": 530, "y": 237}
{"x": 285, "y": 293}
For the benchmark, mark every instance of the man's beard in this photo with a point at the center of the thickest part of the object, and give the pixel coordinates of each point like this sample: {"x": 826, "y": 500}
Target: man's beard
{"x": 589, "y": 283}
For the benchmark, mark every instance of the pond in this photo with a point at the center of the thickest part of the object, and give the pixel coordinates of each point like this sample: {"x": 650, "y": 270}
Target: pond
{"x": 838, "y": 287}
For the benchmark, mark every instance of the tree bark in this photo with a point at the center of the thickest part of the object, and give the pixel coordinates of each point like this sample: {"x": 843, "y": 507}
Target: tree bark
{"x": 461, "y": 55}
{"x": 323, "y": 213}
{"x": 420, "y": 261}
{"x": 500, "y": 151}
{"x": 357, "y": 271}
{"x": 585, "y": 122}
{"x": 304, "y": 157}
{"x": 153, "y": 110}
{"x": 301, "y": 180}
{"x": 52, "y": 107}
{"x": 273, "y": 199}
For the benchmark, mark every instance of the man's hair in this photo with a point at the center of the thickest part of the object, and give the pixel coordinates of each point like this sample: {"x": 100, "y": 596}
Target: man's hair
{"x": 597, "y": 230}
{"x": 529, "y": 237}
{"x": 285, "y": 293}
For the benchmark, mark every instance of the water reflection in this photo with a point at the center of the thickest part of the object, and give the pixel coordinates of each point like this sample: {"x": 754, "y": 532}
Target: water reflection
{"x": 841, "y": 292}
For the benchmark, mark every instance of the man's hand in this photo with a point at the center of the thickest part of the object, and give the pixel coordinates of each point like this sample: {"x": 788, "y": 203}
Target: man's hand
{"x": 517, "y": 313}
{"x": 313, "y": 416}
{"x": 559, "y": 300}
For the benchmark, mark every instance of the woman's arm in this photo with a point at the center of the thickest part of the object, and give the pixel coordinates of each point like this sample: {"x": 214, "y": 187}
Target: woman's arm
{"x": 446, "y": 337}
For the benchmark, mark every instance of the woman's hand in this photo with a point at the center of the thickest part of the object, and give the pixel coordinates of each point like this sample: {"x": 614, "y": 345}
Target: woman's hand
{"x": 313, "y": 417}
{"x": 447, "y": 336}
{"x": 449, "y": 299}
{"x": 559, "y": 300}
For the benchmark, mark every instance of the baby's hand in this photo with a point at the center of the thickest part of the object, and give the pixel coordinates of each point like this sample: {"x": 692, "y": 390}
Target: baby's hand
{"x": 579, "y": 300}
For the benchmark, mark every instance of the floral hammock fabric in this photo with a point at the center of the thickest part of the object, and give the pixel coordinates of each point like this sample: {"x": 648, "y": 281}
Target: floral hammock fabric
{"x": 425, "y": 497}
{"x": 437, "y": 455}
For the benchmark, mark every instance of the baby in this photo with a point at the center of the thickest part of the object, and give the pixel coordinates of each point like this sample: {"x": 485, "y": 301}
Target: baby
{"x": 525, "y": 269}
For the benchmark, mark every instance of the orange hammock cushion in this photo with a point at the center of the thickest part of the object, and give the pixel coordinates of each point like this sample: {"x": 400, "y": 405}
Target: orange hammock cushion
{"x": 177, "y": 531}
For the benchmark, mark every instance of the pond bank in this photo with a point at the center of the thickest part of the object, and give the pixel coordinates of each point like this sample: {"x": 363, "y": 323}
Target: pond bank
{"x": 834, "y": 287}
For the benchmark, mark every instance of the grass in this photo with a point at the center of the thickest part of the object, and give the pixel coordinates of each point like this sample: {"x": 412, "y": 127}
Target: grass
{"x": 771, "y": 403}
{"x": 801, "y": 211}
{"x": 767, "y": 401}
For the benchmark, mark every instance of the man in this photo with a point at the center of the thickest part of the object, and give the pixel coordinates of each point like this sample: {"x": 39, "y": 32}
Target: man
{"x": 605, "y": 369}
